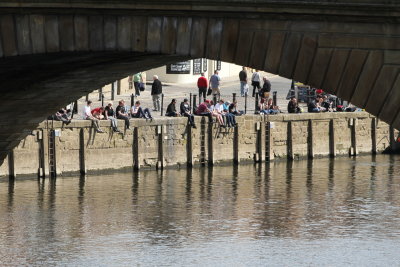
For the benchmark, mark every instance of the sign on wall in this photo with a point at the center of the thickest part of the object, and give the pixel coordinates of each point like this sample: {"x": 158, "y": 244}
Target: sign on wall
{"x": 204, "y": 65}
{"x": 182, "y": 67}
{"x": 197, "y": 66}
{"x": 218, "y": 65}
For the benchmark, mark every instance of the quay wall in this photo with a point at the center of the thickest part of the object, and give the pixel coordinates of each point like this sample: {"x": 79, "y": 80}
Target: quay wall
{"x": 169, "y": 142}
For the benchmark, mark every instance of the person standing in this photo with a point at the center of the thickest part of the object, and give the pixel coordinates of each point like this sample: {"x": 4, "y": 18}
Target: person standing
{"x": 243, "y": 80}
{"x": 215, "y": 81}
{"x": 137, "y": 78}
{"x": 255, "y": 81}
{"x": 266, "y": 89}
{"x": 156, "y": 91}
{"x": 202, "y": 84}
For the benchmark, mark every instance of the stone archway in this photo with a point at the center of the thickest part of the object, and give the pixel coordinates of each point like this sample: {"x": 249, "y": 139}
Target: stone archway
{"x": 51, "y": 55}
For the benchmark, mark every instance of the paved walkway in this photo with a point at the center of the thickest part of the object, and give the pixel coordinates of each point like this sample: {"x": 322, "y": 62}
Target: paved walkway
{"x": 180, "y": 91}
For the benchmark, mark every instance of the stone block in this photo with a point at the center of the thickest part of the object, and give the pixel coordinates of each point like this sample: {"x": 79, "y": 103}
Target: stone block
{"x": 198, "y": 39}
{"x": 390, "y": 107}
{"x": 275, "y": 45}
{"x": 257, "y": 56}
{"x": 169, "y": 35}
{"x": 23, "y": 34}
{"x": 319, "y": 67}
{"x": 8, "y": 35}
{"x": 37, "y": 34}
{"x": 229, "y": 40}
{"x": 214, "y": 38}
{"x": 335, "y": 70}
{"x": 81, "y": 30}
{"x": 305, "y": 58}
{"x": 289, "y": 55}
{"x": 66, "y": 27}
{"x": 96, "y": 33}
{"x": 110, "y": 33}
{"x": 139, "y": 32}
{"x": 124, "y": 33}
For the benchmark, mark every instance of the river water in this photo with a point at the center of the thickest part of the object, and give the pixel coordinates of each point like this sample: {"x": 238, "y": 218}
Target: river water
{"x": 342, "y": 212}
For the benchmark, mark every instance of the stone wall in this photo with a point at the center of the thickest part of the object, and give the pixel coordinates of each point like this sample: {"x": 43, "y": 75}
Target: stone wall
{"x": 170, "y": 142}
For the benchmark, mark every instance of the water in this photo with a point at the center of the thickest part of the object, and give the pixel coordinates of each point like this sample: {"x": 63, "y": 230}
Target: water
{"x": 343, "y": 212}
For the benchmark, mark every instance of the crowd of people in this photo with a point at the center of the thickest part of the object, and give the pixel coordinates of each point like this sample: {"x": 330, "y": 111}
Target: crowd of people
{"x": 224, "y": 112}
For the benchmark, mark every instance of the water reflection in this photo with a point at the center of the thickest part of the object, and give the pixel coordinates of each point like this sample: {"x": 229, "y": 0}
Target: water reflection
{"x": 204, "y": 216}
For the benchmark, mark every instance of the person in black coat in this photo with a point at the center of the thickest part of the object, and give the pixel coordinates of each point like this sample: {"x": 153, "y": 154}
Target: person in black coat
{"x": 156, "y": 91}
{"x": 293, "y": 106}
{"x": 171, "y": 109}
{"x": 185, "y": 111}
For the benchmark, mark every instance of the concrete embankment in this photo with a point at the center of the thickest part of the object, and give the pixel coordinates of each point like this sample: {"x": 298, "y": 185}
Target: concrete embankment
{"x": 169, "y": 142}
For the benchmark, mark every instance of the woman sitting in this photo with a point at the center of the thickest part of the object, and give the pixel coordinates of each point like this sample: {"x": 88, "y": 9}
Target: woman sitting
{"x": 217, "y": 114}
{"x": 267, "y": 107}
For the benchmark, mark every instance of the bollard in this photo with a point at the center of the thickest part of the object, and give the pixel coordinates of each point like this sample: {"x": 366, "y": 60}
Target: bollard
{"x": 194, "y": 103}
{"x": 100, "y": 93}
{"x": 256, "y": 110}
{"x": 162, "y": 104}
{"x": 87, "y": 97}
{"x": 102, "y": 100}
{"x": 215, "y": 98}
{"x": 233, "y": 97}
{"x": 75, "y": 109}
{"x": 112, "y": 91}
{"x": 245, "y": 104}
{"x": 190, "y": 99}
{"x": 132, "y": 100}
{"x": 274, "y": 97}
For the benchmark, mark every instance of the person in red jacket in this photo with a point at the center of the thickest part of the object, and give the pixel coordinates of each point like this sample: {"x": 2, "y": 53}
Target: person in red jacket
{"x": 202, "y": 84}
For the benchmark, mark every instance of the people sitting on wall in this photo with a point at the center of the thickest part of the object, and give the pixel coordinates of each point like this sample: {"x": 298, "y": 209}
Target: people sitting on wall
{"x": 268, "y": 107}
{"x": 138, "y": 112}
{"x": 293, "y": 105}
{"x": 217, "y": 114}
{"x": 171, "y": 109}
{"x": 109, "y": 114}
{"x": 204, "y": 110}
{"x": 87, "y": 115}
{"x": 61, "y": 115}
{"x": 122, "y": 113}
{"x": 98, "y": 113}
{"x": 233, "y": 109}
{"x": 315, "y": 105}
{"x": 327, "y": 104}
{"x": 230, "y": 118}
{"x": 186, "y": 111}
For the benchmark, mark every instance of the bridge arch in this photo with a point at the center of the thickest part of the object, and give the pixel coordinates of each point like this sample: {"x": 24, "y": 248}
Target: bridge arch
{"x": 54, "y": 57}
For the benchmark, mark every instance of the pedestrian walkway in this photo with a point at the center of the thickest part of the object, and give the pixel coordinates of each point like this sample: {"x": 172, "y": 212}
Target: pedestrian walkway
{"x": 180, "y": 91}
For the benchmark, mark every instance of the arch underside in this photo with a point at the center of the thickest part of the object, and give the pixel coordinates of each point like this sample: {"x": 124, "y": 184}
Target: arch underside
{"x": 49, "y": 60}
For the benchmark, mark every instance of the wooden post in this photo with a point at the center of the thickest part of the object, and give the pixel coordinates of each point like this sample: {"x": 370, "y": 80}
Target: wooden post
{"x": 189, "y": 146}
{"x": 11, "y": 165}
{"x": 210, "y": 143}
{"x": 290, "y": 154}
{"x": 392, "y": 139}
{"x": 373, "y": 135}
{"x": 332, "y": 142}
{"x": 82, "y": 154}
{"x": 160, "y": 162}
{"x": 41, "y": 169}
{"x": 310, "y": 139}
{"x": 236, "y": 158}
{"x": 353, "y": 149}
{"x": 135, "y": 148}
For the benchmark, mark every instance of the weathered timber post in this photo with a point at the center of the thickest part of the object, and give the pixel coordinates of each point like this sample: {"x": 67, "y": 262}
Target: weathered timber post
{"x": 310, "y": 139}
{"x": 332, "y": 142}
{"x": 82, "y": 152}
{"x": 289, "y": 141}
{"x": 373, "y": 134}
{"x": 11, "y": 165}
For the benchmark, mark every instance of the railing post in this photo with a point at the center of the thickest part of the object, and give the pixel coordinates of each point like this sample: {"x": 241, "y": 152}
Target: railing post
{"x": 132, "y": 100}
{"x": 274, "y": 97}
{"x": 215, "y": 98}
{"x": 256, "y": 104}
{"x": 194, "y": 103}
{"x": 162, "y": 104}
{"x": 190, "y": 99}
{"x": 102, "y": 100}
{"x": 245, "y": 104}
{"x": 233, "y": 97}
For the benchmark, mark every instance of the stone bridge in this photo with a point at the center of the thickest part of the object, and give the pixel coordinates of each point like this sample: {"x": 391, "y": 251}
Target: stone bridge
{"x": 53, "y": 52}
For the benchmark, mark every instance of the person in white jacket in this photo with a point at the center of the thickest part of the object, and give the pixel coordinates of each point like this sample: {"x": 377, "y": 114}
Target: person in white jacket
{"x": 255, "y": 81}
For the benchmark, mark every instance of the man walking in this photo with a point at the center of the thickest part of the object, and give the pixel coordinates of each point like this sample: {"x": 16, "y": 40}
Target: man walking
{"x": 243, "y": 80}
{"x": 215, "y": 83}
{"x": 137, "y": 78}
{"x": 255, "y": 81}
{"x": 156, "y": 91}
{"x": 202, "y": 84}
